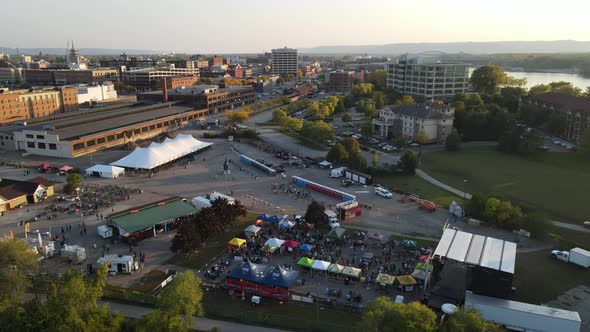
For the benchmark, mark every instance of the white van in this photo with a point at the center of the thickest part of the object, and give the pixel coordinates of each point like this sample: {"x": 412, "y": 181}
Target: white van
{"x": 383, "y": 192}
{"x": 337, "y": 172}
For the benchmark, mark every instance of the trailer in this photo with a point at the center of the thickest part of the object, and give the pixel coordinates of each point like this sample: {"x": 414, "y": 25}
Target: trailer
{"x": 323, "y": 189}
{"x": 105, "y": 231}
{"x": 215, "y": 195}
{"x": 331, "y": 218}
{"x": 519, "y": 316}
{"x": 577, "y": 256}
{"x": 201, "y": 202}
{"x": 358, "y": 177}
{"x": 337, "y": 172}
{"x": 119, "y": 263}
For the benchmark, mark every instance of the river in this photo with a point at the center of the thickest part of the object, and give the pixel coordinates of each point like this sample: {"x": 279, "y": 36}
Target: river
{"x": 535, "y": 78}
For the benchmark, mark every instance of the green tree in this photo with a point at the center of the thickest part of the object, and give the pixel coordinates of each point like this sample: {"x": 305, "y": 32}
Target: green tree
{"x": 347, "y": 117}
{"x": 177, "y": 305}
{"x": 401, "y": 142}
{"x": 539, "y": 89}
{"x": 351, "y": 145}
{"x": 356, "y": 160}
{"x": 584, "y": 146}
{"x": 421, "y": 137}
{"x": 17, "y": 261}
{"x": 375, "y": 161}
{"x": 317, "y": 131}
{"x": 292, "y": 124}
{"x": 491, "y": 209}
{"x": 406, "y": 100}
{"x": 408, "y": 162}
{"x": 378, "y": 99}
{"x": 340, "y": 107}
{"x": 206, "y": 80}
{"x": 367, "y": 129}
{"x": 476, "y": 206}
{"x": 337, "y": 154}
{"x": 315, "y": 213}
{"x": 382, "y": 315}
{"x": 362, "y": 90}
{"x": 278, "y": 115}
{"x": 228, "y": 213}
{"x": 72, "y": 305}
{"x": 464, "y": 320}
{"x": 487, "y": 79}
{"x": 237, "y": 116}
{"x": 586, "y": 93}
{"x": 566, "y": 88}
{"x": 536, "y": 222}
{"x": 530, "y": 142}
{"x": 285, "y": 100}
{"x": 453, "y": 141}
{"x": 378, "y": 78}
{"x": 73, "y": 181}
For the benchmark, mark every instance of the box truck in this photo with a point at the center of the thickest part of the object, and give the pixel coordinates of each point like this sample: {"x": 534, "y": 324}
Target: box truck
{"x": 577, "y": 256}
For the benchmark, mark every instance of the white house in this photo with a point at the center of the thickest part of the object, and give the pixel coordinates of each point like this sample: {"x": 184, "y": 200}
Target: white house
{"x": 434, "y": 120}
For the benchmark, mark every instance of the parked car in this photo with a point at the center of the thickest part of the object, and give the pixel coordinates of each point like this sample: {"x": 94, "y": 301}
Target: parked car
{"x": 414, "y": 145}
{"x": 587, "y": 224}
{"x": 382, "y": 144}
{"x": 383, "y": 192}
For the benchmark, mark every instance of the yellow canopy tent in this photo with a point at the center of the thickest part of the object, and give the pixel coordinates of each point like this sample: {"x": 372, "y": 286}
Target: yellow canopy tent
{"x": 385, "y": 279}
{"x": 236, "y": 242}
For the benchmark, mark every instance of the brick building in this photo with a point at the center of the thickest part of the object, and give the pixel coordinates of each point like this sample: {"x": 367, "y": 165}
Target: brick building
{"x": 574, "y": 112}
{"x": 211, "y": 97}
{"x": 66, "y": 76}
{"x": 21, "y": 105}
{"x": 341, "y": 80}
{"x": 179, "y": 81}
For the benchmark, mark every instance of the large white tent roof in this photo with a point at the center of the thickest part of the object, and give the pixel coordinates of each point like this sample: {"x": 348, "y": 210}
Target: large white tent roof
{"x": 161, "y": 153}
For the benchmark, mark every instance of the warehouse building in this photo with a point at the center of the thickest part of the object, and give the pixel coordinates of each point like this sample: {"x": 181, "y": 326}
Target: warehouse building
{"x": 90, "y": 131}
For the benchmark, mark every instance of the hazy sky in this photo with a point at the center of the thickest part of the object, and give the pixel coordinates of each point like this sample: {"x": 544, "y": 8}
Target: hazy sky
{"x": 232, "y": 26}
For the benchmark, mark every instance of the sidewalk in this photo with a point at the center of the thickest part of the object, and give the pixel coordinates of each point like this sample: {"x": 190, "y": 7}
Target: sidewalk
{"x": 200, "y": 323}
{"x": 437, "y": 183}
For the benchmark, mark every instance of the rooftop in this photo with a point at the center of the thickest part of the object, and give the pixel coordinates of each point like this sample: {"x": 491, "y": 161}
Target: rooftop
{"x": 477, "y": 250}
{"x": 421, "y": 110}
{"x": 153, "y": 214}
{"x": 570, "y": 103}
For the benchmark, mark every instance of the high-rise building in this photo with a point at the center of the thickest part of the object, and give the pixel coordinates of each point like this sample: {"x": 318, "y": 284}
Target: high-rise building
{"x": 284, "y": 61}
{"x": 427, "y": 79}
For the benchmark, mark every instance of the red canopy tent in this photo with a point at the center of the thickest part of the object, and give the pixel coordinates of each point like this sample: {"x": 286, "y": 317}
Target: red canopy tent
{"x": 45, "y": 166}
{"x": 291, "y": 244}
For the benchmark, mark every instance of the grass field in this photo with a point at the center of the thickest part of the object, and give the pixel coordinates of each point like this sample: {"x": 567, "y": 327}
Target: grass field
{"x": 540, "y": 278}
{"x": 415, "y": 185}
{"x": 214, "y": 246}
{"x": 290, "y": 315}
{"x": 556, "y": 183}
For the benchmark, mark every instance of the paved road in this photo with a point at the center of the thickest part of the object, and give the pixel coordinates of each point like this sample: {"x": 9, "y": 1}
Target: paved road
{"x": 200, "y": 323}
{"x": 458, "y": 192}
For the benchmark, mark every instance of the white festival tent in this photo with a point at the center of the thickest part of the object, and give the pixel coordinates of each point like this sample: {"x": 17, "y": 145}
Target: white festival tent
{"x": 161, "y": 153}
{"x": 105, "y": 171}
{"x": 320, "y": 265}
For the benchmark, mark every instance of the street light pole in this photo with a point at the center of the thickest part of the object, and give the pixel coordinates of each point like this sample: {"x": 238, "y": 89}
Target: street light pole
{"x": 465, "y": 189}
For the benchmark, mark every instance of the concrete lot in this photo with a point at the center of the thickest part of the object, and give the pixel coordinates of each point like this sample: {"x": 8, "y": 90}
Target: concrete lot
{"x": 205, "y": 175}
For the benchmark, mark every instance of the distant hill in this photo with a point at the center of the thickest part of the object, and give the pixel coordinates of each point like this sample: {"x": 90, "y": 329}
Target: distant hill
{"x": 81, "y": 51}
{"x": 556, "y": 46}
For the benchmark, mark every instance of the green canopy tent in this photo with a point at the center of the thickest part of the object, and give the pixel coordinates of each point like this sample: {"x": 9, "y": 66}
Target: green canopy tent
{"x": 306, "y": 262}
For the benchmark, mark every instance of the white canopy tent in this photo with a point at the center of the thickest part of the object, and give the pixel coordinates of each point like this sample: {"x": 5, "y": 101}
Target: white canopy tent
{"x": 320, "y": 265}
{"x": 105, "y": 171}
{"x": 161, "y": 153}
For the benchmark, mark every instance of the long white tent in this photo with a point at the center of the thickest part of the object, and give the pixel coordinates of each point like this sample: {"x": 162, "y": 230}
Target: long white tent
{"x": 161, "y": 153}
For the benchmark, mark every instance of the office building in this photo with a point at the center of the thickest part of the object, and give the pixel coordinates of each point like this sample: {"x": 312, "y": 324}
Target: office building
{"x": 426, "y": 79}
{"x": 147, "y": 79}
{"x": 10, "y": 76}
{"x": 434, "y": 120}
{"x": 573, "y": 112}
{"x": 216, "y": 61}
{"x": 92, "y": 94}
{"x": 128, "y": 62}
{"x": 20, "y": 105}
{"x": 202, "y": 63}
{"x": 284, "y": 61}
{"x": 88, "y": 131}
{"x": 181, "y": 64}
{"x": 341, "y": 80}
{"x": 211, "y": 97}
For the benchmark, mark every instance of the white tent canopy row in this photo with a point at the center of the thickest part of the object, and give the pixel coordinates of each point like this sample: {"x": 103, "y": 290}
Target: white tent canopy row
{"x": 105, "y": 171}
{"x": 161, "y": 153}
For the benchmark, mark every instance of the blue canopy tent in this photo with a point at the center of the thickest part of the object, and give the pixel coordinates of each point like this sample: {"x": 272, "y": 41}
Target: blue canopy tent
{"x": 274, "y": 219}
{"x": 263, "y": 217}
{"x": 280, "y": 277}
{"x": 306, "y": 247}
{"x": 249, "y": 271}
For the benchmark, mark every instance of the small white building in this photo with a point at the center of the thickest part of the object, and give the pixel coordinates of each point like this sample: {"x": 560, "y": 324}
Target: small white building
{"x": 96, "y": 93}
{"x": 434, "y": 120}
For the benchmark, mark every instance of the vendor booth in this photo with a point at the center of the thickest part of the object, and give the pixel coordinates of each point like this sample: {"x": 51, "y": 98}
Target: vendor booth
{"x": 236, "y": 242}
{"x": 261, "y": 280}
{"x": 407, "y": 282}
{"x": 105, "y": 171}
{"x": 352, "y": 272}
{"x": 305, "y": 262}
{"x": 385, "y": 279}
{"x": 252, "y": 230}
{"x": 320, "y": 265}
